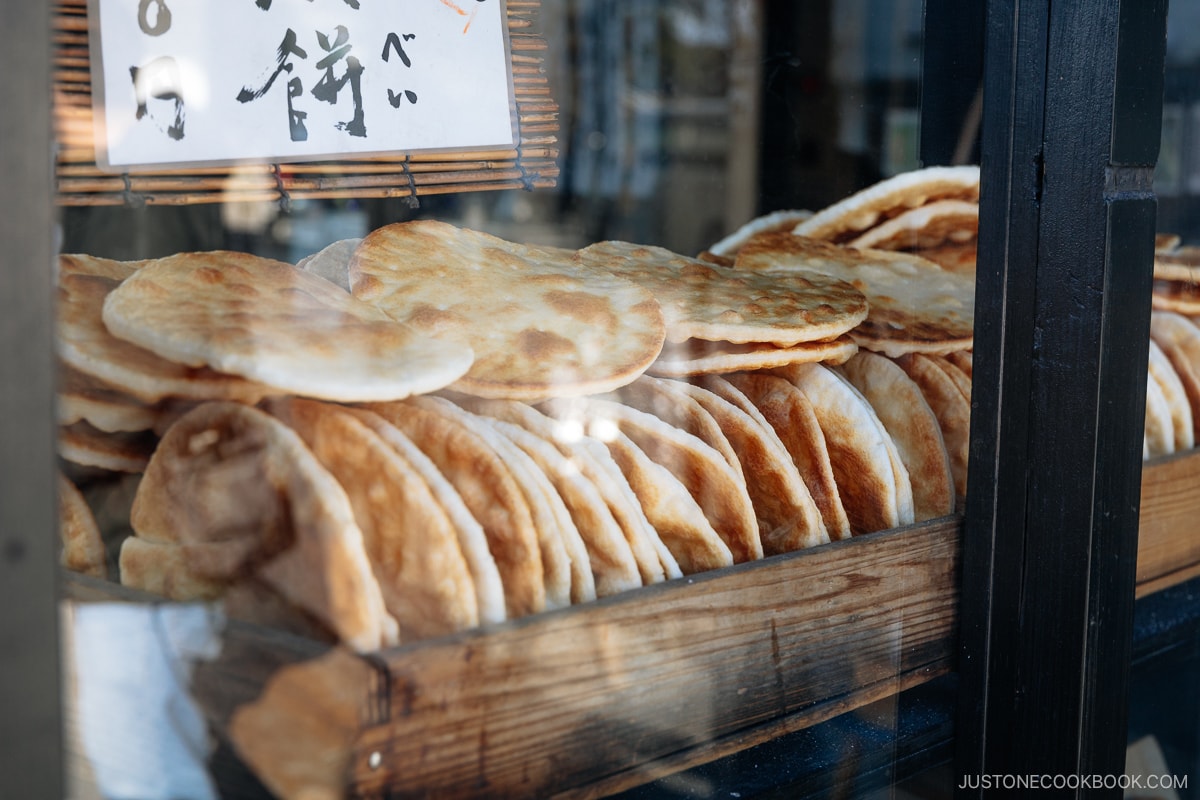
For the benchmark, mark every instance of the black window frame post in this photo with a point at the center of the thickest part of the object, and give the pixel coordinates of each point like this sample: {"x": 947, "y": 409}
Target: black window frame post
{"x": 1070, "y": 132}
{"x": 31, "y": 735}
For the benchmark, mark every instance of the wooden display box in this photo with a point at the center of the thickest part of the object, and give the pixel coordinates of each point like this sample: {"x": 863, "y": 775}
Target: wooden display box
{"x": 606, "y": 696}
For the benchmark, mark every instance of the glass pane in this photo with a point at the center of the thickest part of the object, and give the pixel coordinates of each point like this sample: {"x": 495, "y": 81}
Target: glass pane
{"x": 602, "y": 478}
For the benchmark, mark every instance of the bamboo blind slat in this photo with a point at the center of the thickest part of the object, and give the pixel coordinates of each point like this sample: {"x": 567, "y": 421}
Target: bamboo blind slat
{"x": 80, "y": 182}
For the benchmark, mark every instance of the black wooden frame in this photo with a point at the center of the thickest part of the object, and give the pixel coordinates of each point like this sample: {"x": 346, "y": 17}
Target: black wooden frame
{"x": 1070, "y": 132}
{"x": 31, "y": 753}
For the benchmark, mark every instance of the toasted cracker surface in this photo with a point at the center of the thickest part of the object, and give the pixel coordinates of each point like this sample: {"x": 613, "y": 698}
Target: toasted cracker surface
{"x": 541, "y": 325}
{"x": 275, "y": 324}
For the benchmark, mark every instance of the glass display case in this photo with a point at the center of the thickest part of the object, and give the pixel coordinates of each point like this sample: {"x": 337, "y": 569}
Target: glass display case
{"x": 605, "y": 429}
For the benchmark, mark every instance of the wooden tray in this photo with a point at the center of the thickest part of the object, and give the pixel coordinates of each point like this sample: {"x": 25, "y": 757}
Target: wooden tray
{"x": 596, "y": 699}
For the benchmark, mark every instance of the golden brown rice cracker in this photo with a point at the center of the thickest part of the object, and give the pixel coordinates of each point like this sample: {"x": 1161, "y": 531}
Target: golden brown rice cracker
{"x": 558, "y": 572}
{"x": 788, "y": 517}
{"x": 697, "y": 357}
{"x": 866, "y": 208}
{"x": 915, "y": 305}
{"x": 907, "y": 417}
{"x": 554, "y": 522}
{"x": 935, "y": 224}
{"x": 610, "y": 557}
{"x": 228, "y": 477}
{"x": 671, "y": 509}
{"x": 962, "y": 381}
{"x": 489, "y": 590}
{"x": 791, "y": 416}
{"x": 952, "y": 410}
{"x": 468, "y": 458}
{"x": 1179, "y": 339}
{"x": 783, "y": 220}
{"x": 964, "y": 360}
{"x": 82, "y": 397}
{"x": 85, "y": 344}
{"x": 83, "y": 444}
{"x": 1180, "y": 264}
{"x": 79, "y": 535}
{"x": 556, "y": 564}
{"x": 410, "y": 541}
{"x": 704, "y": 301}
{"x": 1180, "y": 297}
{"x": 270, "y": 322}
{"x": 707, "y": 476}
{"x": 872, "y": 480}
{"x": 662, "y": 399}
{"x": 593, "y": 462}
{"x": 960, "y": 257}
{"x": 540, "y": 324}
{"x": 1159, "y": 435}
{"x": 1163, "y": 373}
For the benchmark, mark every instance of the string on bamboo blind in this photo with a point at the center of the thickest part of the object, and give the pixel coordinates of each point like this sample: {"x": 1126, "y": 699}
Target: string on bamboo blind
{"x": 532, "y": 164}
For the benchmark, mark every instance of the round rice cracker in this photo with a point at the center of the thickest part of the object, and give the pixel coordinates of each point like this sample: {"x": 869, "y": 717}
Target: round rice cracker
{"x": 961, "y": 380}
{"x": 410, "y": 541}
{"x": 556, "y": 563}
{"x": 662, "y": 399}
{"x": 925, "y": 227}
{"x": 874, "y": 205}
{"x": 82, "y": 444}
{"x": 79, "y": 535}
{"x": 1179, "y": 264}
{"x": 907, "y": 417}
{"x": 960, "y": 257}
{"x": 594, "y": 463}
{"x": 790, "y": 414}
{"x": 1179, "y": 340}
{"x": 700, "y": 468}
{"x": 272, "y": 323}
{"x": 609, "y": 556}
{"x": 230, "y": 478}
{"x": 705, "y": 301}
{"x": 872, "y": 479}
{"x": 915, "y": 305}
{"x": 489, "y": 590}
{"x": 1180, "y": 297}
{"x": 964, "y": 360}
{"x": 671, "y": 509}
{"x": 81, "y": 397}
{"x": 541, "y": 325}
{"x": 554, "y": 522}
{"x": 1159, "y": 369}
{"x": 469, "y": 459}
{"x": 696, "y": 357}
{"x": 951, "y": 408}
{"x": 783, "y": 220}
{"x": 85, "y": 344}
{"x": 788, "y": 517}
{"x": 1159, "y": 433}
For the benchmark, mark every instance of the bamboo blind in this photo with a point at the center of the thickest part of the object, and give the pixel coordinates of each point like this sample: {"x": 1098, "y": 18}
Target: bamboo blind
{"x": 79, "y": 182}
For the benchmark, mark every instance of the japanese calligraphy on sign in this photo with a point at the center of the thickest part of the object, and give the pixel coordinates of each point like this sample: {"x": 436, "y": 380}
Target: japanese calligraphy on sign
{"x": 225, "y": 81}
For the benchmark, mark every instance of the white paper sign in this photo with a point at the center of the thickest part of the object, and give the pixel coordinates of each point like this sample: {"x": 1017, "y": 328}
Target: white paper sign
{"x": 226, "y": 81}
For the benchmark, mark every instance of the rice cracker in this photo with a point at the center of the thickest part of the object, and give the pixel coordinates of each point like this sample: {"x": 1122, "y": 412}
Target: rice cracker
{"x": 275, "y": 324}
{"x": 915, "y": 305}
{"x": 233, "y": 477}
{"x": 409, "y": 538}
{"x": 541, "y": 325}
{"x": 866, "y": 208}
{"x": 705, "y": 301}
